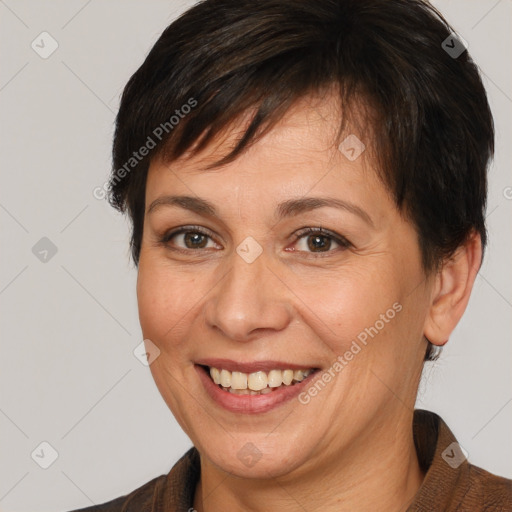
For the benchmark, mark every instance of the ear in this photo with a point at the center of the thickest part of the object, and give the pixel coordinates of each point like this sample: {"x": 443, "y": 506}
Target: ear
{"x": 451, "y": 290}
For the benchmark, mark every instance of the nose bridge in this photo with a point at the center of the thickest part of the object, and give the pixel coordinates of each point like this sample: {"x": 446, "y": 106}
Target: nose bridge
{"x": 248, "y": 298}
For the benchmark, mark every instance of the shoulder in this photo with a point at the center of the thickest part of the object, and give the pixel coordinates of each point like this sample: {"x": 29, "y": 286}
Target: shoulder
{"x": 451, "y": 482}
{"x": 139, "y": 500}
{"x": 487, "y": 491}
{"x": 172, "y": 491}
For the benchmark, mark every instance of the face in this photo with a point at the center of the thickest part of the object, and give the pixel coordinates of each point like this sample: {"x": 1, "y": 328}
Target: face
{"x": 235, "y": 274}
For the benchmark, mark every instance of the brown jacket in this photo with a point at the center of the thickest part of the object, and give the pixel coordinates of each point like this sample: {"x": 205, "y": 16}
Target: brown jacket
{"x": 451, "y": 482}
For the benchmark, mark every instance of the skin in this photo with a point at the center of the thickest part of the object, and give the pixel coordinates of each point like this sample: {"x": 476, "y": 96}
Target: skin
{"x": 350, "y": 447}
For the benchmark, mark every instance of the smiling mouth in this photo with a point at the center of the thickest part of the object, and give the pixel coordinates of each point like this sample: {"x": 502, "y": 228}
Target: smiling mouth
{"x": 256, "y": 383}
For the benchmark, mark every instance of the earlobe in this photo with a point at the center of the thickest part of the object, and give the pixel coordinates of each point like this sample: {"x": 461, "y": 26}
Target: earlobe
{"x": 452, "y": 289}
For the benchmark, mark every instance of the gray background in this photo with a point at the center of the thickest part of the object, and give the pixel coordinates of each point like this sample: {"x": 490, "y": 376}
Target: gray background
{"x": 69, "y": 325}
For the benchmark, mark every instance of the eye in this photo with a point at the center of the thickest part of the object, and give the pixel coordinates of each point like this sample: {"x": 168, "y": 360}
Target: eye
{"x": 319, "y": 240}
{"x": 313, "y": 240}
{"x": 188, "y": 238}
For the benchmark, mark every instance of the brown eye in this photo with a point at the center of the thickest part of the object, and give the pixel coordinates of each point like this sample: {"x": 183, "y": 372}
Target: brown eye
{"x": 194, "y": 240}
{"x": 188, "y": 238}
{"x": 318, "y": 243}
{"x": 318, "y": 240}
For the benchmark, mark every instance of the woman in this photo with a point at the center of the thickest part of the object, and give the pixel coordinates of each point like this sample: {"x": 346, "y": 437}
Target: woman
{"x": 307, "y": 184}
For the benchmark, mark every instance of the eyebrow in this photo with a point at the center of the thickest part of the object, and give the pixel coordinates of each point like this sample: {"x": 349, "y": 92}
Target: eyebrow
{"x": 288, "y": 208}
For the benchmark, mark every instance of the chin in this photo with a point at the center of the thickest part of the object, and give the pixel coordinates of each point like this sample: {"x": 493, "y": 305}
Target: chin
{"x": 255, "y": 456}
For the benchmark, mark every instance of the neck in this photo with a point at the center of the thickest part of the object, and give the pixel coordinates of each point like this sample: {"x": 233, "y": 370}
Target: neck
{"x": 380, "y": 473}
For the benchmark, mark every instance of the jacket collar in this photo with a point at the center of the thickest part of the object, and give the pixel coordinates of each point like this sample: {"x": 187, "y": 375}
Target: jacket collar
{"x": 445, "y": 483}
{"x": 447, "y": 468}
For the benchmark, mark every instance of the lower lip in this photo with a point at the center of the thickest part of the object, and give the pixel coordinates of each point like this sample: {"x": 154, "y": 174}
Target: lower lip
{"x": 251, "y": 404}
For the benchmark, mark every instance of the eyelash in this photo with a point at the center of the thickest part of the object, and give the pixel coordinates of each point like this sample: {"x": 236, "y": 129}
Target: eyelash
{"x": 340, "y": 240}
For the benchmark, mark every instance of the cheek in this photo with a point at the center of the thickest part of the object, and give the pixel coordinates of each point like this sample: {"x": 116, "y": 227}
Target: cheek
{"x": 350, "y": 302}
{"x": 369, "y": 323}
{"x": 164, "y": 298}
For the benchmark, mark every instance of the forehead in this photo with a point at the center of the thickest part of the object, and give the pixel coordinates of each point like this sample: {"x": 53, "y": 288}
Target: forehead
{"x": 307, "y": 136}
{"x": 300, "y": 156}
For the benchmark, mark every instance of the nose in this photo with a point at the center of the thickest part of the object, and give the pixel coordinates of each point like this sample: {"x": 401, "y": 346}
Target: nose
{"x": 248, "y": 301}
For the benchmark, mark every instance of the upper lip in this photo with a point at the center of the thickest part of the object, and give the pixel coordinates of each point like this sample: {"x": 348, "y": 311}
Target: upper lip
{"x": 251, "y": 367}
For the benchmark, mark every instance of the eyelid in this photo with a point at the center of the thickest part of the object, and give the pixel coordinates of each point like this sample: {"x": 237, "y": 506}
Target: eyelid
{"x": 341, "y": 240}
{"x": 164, "y": 240}
{"x": 184, "y": 229}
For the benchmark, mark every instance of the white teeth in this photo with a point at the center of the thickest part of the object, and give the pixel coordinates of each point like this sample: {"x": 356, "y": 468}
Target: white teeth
{"x": 257, "y": 383}
{"x": 238, "y": 380}
{"x": 239, "y": 391}
{"x": 275, "y": 378}
{"x": 298, "y": 375}
{"x": 225, "y": 378}
{"x": 287, "y": 377}
{"x": 215, "y": 374}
